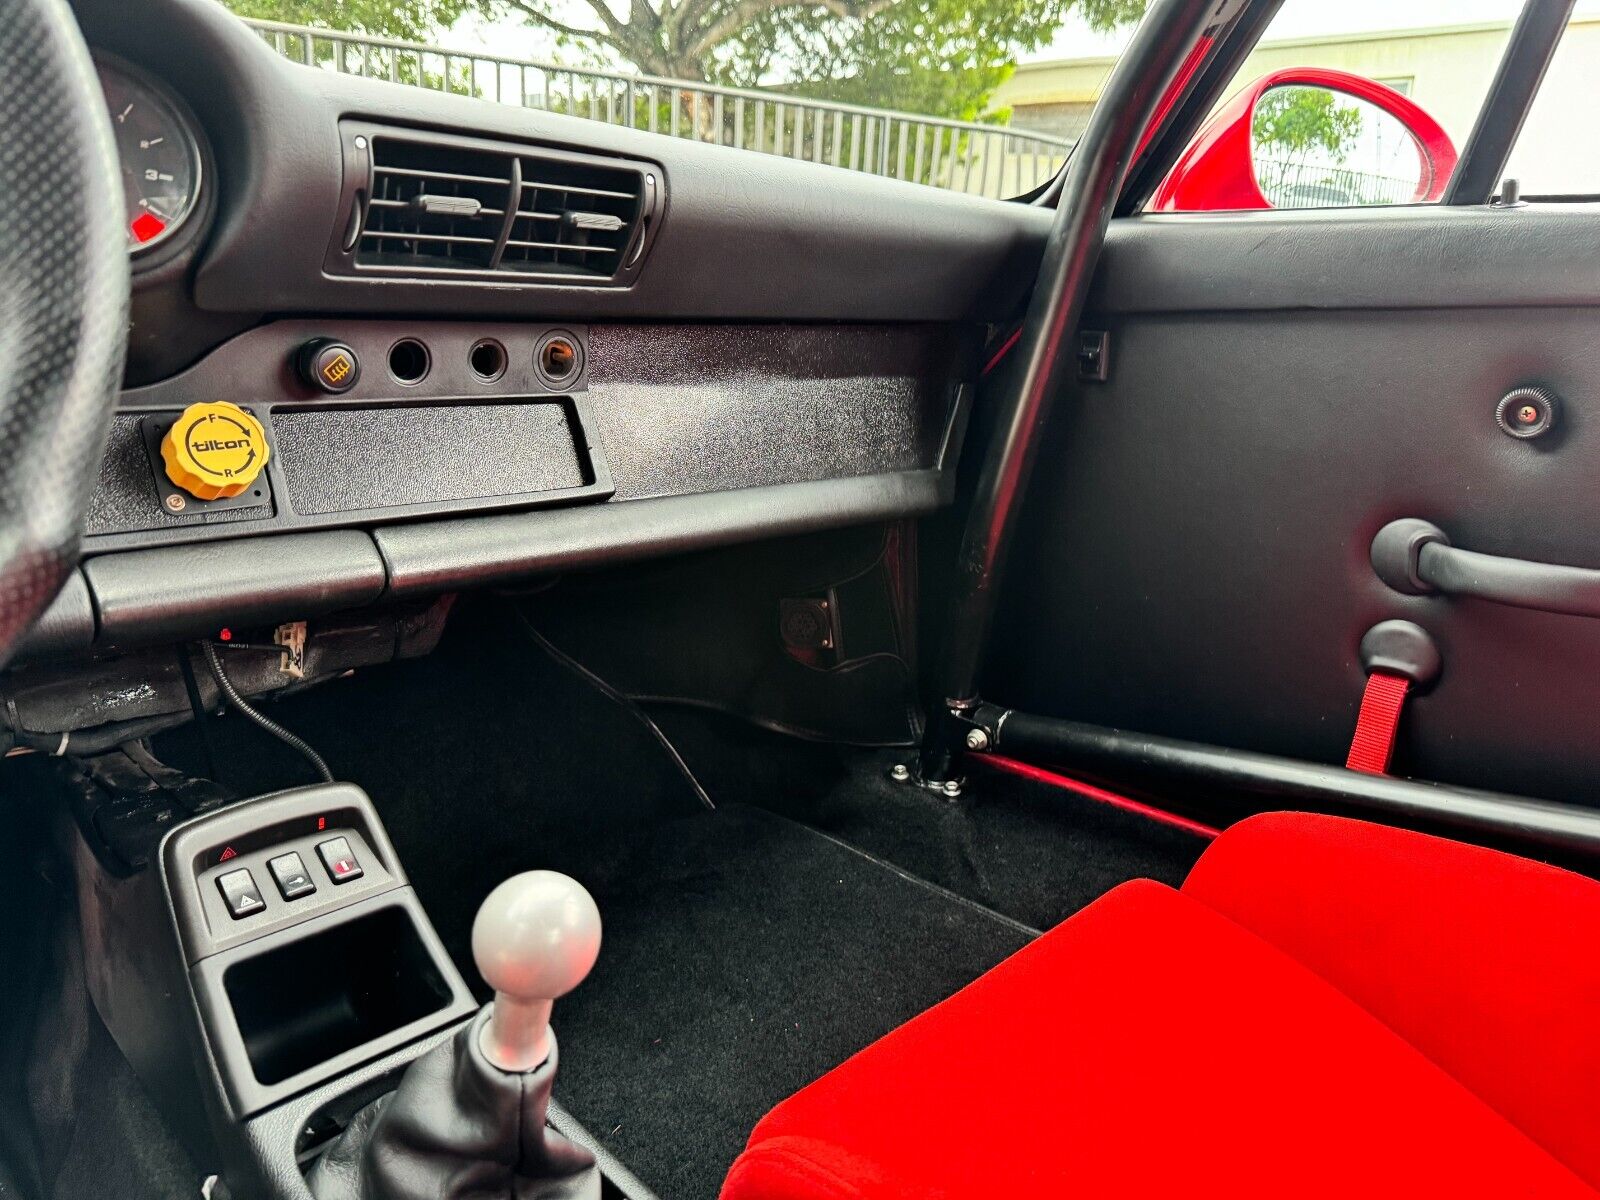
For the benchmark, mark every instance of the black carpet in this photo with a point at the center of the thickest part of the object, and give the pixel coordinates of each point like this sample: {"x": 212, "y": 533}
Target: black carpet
{"x": 1031, "y": 851}
{"x": 744, "y": 957}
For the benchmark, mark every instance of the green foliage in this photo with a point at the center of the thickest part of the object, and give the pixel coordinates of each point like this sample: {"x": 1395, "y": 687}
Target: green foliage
{"x": 1299, "y": 120}
{"x": 402, "y": 20}
{"x": 406, "y": 20}
{"x": 939, "y": 57}
{"x": 935, "y": 57}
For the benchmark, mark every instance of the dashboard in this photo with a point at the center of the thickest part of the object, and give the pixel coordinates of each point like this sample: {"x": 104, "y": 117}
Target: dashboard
{"x": 387, "y": 343}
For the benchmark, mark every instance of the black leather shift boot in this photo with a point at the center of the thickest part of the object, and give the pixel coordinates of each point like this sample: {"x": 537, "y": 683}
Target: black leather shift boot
{"x": 458, "y": 1128}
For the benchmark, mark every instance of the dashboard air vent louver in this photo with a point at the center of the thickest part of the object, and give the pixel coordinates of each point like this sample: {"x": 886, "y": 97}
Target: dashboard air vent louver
{"x": 435, "y": 205}
{"x": 572, "y": 218}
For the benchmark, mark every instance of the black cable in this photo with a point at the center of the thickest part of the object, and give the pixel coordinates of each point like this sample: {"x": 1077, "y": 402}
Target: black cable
{"x": 621, "y": 701}
{"x": 202, "y": 719}
{"x": 261, "y": 719}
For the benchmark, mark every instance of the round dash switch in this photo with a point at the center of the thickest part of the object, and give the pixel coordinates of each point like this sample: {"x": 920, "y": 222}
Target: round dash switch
{"x": 329, "y": 366}
{"x": 214, "y": 450}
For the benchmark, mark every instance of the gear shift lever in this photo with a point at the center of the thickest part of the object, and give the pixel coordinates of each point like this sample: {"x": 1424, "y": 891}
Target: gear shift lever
{"x": 535, "y": 939}
{"x": 469, "y": 1117}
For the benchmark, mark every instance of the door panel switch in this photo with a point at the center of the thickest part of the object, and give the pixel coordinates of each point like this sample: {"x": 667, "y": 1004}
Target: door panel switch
{"x": 240, "y": 894}
{"x": 290, "y": 874}
{"x": 340, "y": 860}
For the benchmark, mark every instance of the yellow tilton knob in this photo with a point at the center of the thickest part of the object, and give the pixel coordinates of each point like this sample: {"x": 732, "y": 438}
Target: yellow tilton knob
{"x": 215, "y": 450}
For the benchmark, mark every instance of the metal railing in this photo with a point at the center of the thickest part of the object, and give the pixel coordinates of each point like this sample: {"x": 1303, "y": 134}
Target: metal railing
{"x": 1295, "y": 183}
{"x": 962, "y": 156}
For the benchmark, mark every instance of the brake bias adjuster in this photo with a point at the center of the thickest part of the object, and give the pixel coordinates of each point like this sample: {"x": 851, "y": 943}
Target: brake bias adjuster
{"x": 215, "y": 450}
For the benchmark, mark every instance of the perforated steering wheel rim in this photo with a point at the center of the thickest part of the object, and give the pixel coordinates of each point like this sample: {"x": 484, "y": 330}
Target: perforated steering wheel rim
{"x": 63, "y": 301}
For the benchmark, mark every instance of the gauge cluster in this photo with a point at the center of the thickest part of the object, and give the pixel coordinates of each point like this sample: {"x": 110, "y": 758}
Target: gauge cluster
{"x": 160, "y": 151}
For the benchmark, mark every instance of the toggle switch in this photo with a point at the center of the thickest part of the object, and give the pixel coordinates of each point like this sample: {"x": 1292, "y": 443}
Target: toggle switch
{"x": 290, "y": 874}
{"x": 340, "y": 860}
{"x": 240, "y": 894}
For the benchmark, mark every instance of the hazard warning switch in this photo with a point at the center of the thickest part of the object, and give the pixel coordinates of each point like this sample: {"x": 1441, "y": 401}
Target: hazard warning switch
{"x": 240, "y": 894}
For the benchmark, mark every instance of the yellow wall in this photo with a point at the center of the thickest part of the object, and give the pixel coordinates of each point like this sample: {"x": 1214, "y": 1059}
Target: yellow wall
{"x": 1448, "y": 69}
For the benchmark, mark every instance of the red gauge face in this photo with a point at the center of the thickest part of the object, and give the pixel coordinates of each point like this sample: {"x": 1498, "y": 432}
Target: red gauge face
{"x": 159, "y": 155}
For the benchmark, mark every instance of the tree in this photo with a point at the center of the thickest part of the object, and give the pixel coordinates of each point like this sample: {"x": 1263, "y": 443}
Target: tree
{"x": 1298, "y": 121}
{"x": 940, "y": 57}
{"x": 937, "y": 57}
{"x": 406, "y": 20}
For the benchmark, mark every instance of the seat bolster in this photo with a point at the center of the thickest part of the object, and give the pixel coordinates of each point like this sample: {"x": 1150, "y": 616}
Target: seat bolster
{"x": 1146, "y": 1047}
{"x": 1486, "y": 962}
{"x": 790, "y": 1167}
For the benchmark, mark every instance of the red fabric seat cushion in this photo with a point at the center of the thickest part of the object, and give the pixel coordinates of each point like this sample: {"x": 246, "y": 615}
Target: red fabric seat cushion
{"x": 1147, "y": 1046}
{"x": 1487, "y": 963}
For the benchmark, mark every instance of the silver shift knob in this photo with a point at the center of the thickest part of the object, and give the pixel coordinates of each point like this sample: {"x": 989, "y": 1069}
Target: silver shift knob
{"x": 535, "y": 938}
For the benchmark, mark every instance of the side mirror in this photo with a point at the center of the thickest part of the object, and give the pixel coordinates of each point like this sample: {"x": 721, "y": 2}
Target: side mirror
{"x": 1311, "y": 138}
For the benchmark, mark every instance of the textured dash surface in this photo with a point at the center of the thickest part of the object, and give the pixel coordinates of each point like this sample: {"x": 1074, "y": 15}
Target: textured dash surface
{"x": 126, "y": 499}
{"x": 687, "y": 409}
{"x": 344, "y": 460}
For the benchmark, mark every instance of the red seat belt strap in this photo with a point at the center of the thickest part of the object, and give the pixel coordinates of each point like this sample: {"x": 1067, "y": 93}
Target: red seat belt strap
{"x": 1373, "y": 744}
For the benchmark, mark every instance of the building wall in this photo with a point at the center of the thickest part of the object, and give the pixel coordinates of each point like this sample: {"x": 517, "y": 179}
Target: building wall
{"x": 1446, "y": 71}
{"x": 1558, "y": 152}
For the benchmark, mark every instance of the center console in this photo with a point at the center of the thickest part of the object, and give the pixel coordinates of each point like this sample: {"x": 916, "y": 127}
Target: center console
{"x": 272, "y": 975}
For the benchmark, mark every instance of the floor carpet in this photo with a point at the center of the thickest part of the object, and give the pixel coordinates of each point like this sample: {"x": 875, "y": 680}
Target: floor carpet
{"x": 744, "y": 957}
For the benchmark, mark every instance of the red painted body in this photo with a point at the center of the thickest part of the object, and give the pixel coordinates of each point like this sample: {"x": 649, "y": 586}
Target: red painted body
{"x": 1217, "y": 171}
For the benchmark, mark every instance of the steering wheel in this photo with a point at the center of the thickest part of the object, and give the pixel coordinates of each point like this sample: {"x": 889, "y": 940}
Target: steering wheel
{"x": 63, "y": 301}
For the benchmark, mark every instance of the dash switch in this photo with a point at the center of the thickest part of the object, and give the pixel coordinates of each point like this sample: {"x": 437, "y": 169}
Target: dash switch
{"x": 340, "y": 860}
{"x": 290, "y": 874}
{"x": 240, "y": 894}
{"x": 328, "y": 366}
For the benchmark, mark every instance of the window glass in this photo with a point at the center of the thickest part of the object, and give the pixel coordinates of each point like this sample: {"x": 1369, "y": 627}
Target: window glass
{"x": 1557, "y": 153}
{"x": 1347, "y": 104}
{"x": 985, "y": 97}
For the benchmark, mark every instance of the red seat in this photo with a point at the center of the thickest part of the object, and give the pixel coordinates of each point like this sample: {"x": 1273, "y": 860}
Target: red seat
{"x": 1486, "y": 962}
{"x": 1153, "y": 1046}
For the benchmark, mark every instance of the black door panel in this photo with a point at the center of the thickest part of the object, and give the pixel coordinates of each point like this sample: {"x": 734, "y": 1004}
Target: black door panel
{"x": 1195, "y": 562}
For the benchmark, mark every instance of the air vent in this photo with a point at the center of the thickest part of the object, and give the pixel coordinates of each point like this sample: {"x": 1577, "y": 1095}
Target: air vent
{"x": 435, "y": 204}
{"x": 434, "y": 207}
{"x": 572, "y": 218}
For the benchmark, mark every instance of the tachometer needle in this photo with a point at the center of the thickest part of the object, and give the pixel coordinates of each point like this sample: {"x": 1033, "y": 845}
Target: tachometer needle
{"x": 123, "y": 115}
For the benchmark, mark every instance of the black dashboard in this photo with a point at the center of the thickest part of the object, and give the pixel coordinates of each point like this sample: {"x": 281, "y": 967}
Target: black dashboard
{"x": 477, "y": 342}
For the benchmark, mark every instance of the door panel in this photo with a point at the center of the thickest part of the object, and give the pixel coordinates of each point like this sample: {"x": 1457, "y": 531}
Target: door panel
{"x": 1194, "y": 557}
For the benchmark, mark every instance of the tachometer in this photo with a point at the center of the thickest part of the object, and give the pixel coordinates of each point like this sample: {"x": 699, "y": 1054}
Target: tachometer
{"x": 160, "y": 157}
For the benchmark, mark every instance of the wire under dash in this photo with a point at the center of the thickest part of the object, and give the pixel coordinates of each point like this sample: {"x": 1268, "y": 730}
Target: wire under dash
{"x": 622, "y": 701}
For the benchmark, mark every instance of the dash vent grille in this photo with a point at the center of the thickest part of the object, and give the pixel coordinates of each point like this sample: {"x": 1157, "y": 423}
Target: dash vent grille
{"x": 436, "y": 204}
{"x": 403, "y": 229}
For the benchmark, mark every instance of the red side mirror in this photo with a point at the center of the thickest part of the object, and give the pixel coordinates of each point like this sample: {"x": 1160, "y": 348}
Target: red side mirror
{"x": 1311, "y": 138}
